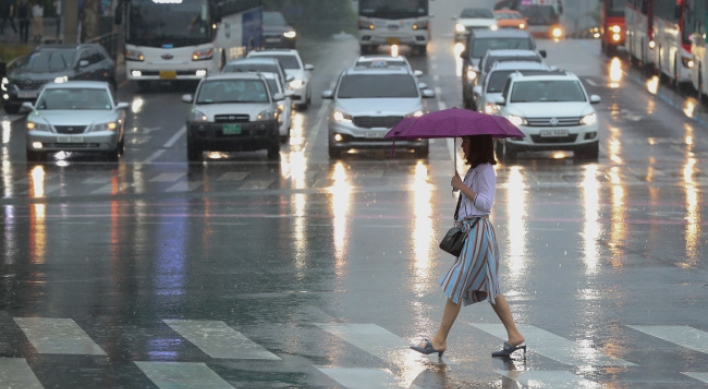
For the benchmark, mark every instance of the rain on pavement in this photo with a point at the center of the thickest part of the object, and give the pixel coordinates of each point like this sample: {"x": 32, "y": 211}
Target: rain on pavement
{"x": 241, "y": 272}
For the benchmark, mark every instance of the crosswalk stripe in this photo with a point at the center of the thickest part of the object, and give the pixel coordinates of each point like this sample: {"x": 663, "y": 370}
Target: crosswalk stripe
{"x": 45, "y": 189}
{"x": 218, "y": 340}
{"x": 168, "y": 177}
{"x": 555, "y": 347}
{"x": 683, "y": 336}
{"x": 57, "y": 336}
{"x": 184, "y": 186}
{"x": 257, "y": 184}
{"x": 699, "y": 376}
{"x": 16, "y": 373}
{"x": 181, "y": 375}
{"x": 233, "y": 176}
{"x": 550, "y": 379}
{"x": 361, "y": 378}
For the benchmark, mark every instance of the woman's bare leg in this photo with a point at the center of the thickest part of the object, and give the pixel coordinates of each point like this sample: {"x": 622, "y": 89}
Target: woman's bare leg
{"x": 502, "y": 309}
{"x": 450, "y": 312}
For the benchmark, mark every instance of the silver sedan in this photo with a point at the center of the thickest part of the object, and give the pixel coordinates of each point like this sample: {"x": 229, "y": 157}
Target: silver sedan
{"x": 75, "y": 116}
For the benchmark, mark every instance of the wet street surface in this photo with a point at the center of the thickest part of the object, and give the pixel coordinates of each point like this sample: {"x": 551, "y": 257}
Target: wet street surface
{"x": 240, "y": 272}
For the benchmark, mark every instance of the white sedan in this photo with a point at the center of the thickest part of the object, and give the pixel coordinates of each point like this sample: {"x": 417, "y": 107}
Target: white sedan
{"x": 294, "y": 67}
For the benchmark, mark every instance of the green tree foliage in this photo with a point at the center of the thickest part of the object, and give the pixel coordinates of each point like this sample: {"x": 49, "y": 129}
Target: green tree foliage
{"x": 316, "y": 18}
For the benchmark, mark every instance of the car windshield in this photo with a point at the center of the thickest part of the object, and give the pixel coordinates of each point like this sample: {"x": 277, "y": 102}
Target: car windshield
{"x": 381, "y": 63}
{"x": 232, "y": 91}
{"x": 49, "y": 61}
{"x": 524, "y": 58}
{"x": 497, "y": 80}
{"x": 547, "y": 91}
{"x": 274, "y": 19}
{"x": 251, "y": 67}
{"x": 74, "y": 99}
{"x": 477, "y": 13}
{"x": 273, "y": 85}
{"x": 508, "y": 15}
{"x": 482, "y": 45}
{"x": 286, "y": 61}
{"x": 358, "y": 86}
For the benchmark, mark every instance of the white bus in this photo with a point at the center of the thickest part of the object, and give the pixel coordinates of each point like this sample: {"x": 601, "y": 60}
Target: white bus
{"x": 673, "y": 25}
{"x": 186, "y": 39}
{"x": 699, "y": 71}
{"x": 639, "y": 40}
{"x": 393, "y": 22}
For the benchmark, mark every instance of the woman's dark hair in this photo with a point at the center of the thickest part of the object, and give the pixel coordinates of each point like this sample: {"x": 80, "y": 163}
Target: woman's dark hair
{"x": 481, "y": 150}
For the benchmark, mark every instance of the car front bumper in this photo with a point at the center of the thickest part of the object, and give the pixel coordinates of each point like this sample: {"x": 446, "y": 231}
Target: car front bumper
{"x": 384, "y": 38}
{"x": 253, "y": 135}
{"x": 91, "y": 141}
{"x": 577, "y": 137}
{"x": 353, "y": 137}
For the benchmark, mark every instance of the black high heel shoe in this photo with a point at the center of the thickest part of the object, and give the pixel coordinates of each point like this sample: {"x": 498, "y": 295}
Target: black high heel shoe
{"x": 428, "y": 349}
{"x": 508, "y": 349}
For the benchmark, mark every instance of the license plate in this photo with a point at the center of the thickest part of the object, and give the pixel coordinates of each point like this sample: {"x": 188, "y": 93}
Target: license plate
{"x": 272, "y": 40}
{"x": 393, "y": 41}
{"x": 553, "y": 133}
{"x": 70, "y": 139}
{"x": 168, "y": 74}
{"x": 27, "y": 95}
{"x": 231, "y": 129}
{"x": 375, "y": 134}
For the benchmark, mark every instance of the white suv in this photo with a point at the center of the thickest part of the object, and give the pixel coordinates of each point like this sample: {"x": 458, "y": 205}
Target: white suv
{"x": 294, "y": 67}
{"x": 554, "y": 112}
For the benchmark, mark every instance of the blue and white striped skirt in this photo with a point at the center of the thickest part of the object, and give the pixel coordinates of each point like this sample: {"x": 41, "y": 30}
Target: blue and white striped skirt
{"x": 473, "y": 276}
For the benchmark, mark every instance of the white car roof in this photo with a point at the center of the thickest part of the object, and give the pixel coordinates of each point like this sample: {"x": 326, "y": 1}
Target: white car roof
{"x": 559, "y": 76}
{"x": 256, "y": 53}
{"x": 78, "y": 84}
{"x": 236, "y": 76}
{"x": 520, "y": 65}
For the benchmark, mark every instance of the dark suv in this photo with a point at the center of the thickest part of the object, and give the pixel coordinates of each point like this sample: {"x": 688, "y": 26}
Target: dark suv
{"x": 55, "y": 63}
{"x": 277, "y": 32}
{"x": 478, "y": 43}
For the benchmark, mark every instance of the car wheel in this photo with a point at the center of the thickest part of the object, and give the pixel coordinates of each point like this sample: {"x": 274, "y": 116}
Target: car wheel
{"x": 11, "y": 109}
{"x": 274, "y": 150}
{"x": 36, "y": 156}
{"x": 194, "y": 152}
{"x": 591, "y": 151}
{"x": 422, "y": 152}
{"x": 334, "y": 153}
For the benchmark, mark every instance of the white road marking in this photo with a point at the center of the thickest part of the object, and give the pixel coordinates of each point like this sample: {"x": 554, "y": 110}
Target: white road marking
{"x": 233, "y": 176}
{"x": 97, "y": 180}
{"x": 549, "y": 379}
{"x": 171, "y": 142}
{"x": 256, "y": 184}
{"x": 16, "y": 373}
{"x": 591, "y": 82}
{"x": 362, "y": 378}
{"x": 57, "y": 336}
{"x": 168, "y": 177}
{"x": 218, "y": 340}
{"x": 318, "y": 124}
{"x": 181, "y": 375}
{"x": 442, "y": 105}
{"x": 46, "y": 189}
{"x": 699, "y": 376}
{"x": 185, "y": 186}
{"x": 555, "y": 347}
{"x": 683, "y": 336}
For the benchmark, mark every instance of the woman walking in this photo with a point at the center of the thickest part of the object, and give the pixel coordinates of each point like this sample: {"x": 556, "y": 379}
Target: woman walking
{"x": 473, "y": 276}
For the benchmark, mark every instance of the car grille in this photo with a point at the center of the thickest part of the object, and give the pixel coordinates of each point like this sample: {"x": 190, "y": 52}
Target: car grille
{"x": 376, "y": 121}
{"x": 72, "y": 145}
{"x": 231, "y": 118}
{"x": 29, "y": 85}
{"x": 560, "y": 139}
{"x": 70, "y": 129}
{"x": 546, "y": 122}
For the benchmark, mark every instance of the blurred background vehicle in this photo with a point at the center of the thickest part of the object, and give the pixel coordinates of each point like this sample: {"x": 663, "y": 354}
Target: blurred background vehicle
{"x": 612, "y": 26}
{"x": 285, "y": 106}
{"x": 263, "y": 65}
{"x": 393, "y": 22}
{"x": 490, "y": 87}
{"x": 507, "y": 18}
{"x": 294, "y": 68}
{"x": 542, "y": 16}
{"x": 473, "y": 18}
{"x": 277, "y": 32}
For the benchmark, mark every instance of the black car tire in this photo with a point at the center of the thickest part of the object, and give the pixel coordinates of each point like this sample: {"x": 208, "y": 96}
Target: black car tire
{"x": 194, "y": 152}
{"x": 10, "y": 109}
{"x": 36, "y": 156}
{"x": 334, "y": 153}
{"x": 274, "y": 150}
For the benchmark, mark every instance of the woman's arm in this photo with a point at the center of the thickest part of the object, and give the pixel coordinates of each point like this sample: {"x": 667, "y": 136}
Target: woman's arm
{"x": 486, "y": 183}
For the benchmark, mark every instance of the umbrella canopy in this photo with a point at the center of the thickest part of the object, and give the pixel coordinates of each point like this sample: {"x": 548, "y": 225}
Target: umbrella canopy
{"x": 453, "y": 122}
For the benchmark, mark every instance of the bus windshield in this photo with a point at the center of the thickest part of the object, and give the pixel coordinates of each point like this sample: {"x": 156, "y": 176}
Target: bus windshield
{"x": 168, "y": 23}
{"x": 540, "y": 15}
{"x": 615, "y": 7}
{"x": 393, "y": 9}
{"x": 689, "y": 20}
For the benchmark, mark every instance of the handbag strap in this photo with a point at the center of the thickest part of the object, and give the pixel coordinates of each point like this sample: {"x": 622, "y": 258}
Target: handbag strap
{"x": 459, "y": 198}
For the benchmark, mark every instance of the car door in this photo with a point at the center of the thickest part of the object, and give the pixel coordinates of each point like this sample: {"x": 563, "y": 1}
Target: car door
{"x": 102, "y": 65}
{"x": 83, "y": 70}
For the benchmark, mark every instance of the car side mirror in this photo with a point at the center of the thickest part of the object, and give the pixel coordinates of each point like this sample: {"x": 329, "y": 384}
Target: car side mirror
{"x": 278, "y": 97}
{"x": 422, "y": 85}
{"x": 289, "y": 78}
{"x": 500, "y": 101}
{"x": 477, "y": 90}
{"x": 289, "y": 93}
{"x": 122, "y": 106}
{"x": 595, "y": 99}
{"x": 83, "y": 63}
{"x": 543, "y": 53}
{"x": 27, "y": 107}
{"x": 428, "y": 93}
{"x": 417, "y": 73}
{"x": 187, "y": 98}
{"x": 328, "y": 95}
{"x": 309, "y": 67}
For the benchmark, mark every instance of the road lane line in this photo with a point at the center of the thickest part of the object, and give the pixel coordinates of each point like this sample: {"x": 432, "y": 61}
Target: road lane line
{"x": 218, "y": 340}
{"x": 555, "y": 347}
{"x": 233, "y": 176}
{"x": 699, "y": 376}
{"x": 185, "y": 186}
{"x": 362, "y": 378}
{"x": 591, "y": 82}
{"x": 46, "y": 189}
{"x": 171, "y": 142}
{"x": 16, "y": 373}
{"x": 317, "y": 124}
{"x": 683, "y": 336}
{"x": 180, "y": 375}
{"x": 57, "y": 336}
{"x": 168, "y": 177}
{"x": 549, "y": 379}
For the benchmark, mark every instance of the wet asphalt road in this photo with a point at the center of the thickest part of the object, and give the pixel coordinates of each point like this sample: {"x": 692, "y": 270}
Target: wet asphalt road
{"x": 310, "y": 273}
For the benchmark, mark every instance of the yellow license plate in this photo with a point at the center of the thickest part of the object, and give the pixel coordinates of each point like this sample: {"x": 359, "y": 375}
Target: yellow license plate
{"x": 168, "y": 74}
{"x": 393, "y": 41}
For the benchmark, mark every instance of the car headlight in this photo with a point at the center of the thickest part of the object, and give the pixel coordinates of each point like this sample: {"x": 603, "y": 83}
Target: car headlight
{"x": 34, "y": 126}
{"x": 340, "y": 116}
{"x": 290, "y": 34}
{"x": 557, "y": 32}
{"x": 134, "y": 55}
{"x": 522, "y": 26}
{"x": 297, "y": 83}
{"x": 109, "y": 126}
{"x": 687, "y": 62}
{"x": 420, "y": 25}
{"x": 417, "y": 113}
{"x": 516, "y": 120}
{"x": 616, "y": 29}
{"x": 61, "y": 79}
{"x": 201, "y": 55}
{"x": 471, "y": 74}
{"x": 266, "y": 114}
{"x": 4, "y": 83}
{"x": 199, "y": 116}
{"x": 589, "y": 119}
{"x": 460, "y": 28}
{"x": 493, "y": 27}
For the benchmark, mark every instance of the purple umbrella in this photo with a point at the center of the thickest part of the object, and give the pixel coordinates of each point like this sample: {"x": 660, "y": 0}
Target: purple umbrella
{"x": 451, "y": 123}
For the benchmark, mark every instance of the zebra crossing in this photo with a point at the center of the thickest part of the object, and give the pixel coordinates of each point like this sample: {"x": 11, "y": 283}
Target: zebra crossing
{"x": 221, "y": 342}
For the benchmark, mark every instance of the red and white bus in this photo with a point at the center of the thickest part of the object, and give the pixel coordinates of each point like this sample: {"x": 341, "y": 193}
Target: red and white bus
{"x": 638, "y": 16}
{"x": 673, "y": 26}
{"x": 612, "y": 25}
{"x": 699, "y": 71}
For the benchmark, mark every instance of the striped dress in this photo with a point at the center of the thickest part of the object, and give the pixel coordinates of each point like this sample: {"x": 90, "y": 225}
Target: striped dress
{"x": 473, "y": 277}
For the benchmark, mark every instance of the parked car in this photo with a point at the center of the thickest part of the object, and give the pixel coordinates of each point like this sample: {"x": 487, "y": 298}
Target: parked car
{"x": 277, "y": 32}
{"x": 507, "y": 18}
{"x": 481, "y": 41}
{"x": 285, "y": 106}
{"x": 55, "y": 63}
{"x": 472, "y": 19}
{"x": 554, "y": 112}
{"x": 367, "y": 102}
{"x": 75, "y": 116}
{"x": 294, "y": 68}
{"x": 233, "y": 112}
{"x": 490, "y": 88}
